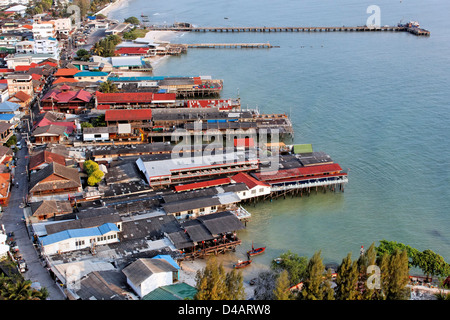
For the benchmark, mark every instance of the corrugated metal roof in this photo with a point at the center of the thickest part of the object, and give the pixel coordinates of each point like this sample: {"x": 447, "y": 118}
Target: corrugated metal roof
{"x": 303, "y": 148}
{"x": 79, "y": 233}
{"x": 177, "y": 291}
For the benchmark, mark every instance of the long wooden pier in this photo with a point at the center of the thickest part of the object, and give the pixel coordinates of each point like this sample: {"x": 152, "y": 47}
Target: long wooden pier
{"x": 413, "y": 30}
{"x": 228, "y": 45}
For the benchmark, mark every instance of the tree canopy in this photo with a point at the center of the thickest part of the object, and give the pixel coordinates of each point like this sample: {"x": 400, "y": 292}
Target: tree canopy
{"x": 214, "y": 283}
{"x": 132, "y": 20}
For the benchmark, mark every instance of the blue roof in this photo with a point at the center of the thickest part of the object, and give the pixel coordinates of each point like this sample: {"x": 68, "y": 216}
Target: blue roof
{"x": 6, "y": 116}
{"x": 146, "y": 78}
{"x": 79, "y": 233}
{"x": 91, "y": 74}
{"x": 8, "y": 106}
{"x": 136, "y": 78}
{"x": 168, "y": 258}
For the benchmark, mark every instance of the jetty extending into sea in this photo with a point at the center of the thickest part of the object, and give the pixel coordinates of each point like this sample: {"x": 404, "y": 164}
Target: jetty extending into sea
{"x": 413, "y": 29}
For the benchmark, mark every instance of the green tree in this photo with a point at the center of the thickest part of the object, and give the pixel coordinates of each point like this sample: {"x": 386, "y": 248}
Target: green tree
{"x": 90, "y": 166}
{"x": 313, "y": 283}
{"x": 108, "y": 87}
{"x": 369, "y": 258}
{"x": 431, "y": 263}
{"x": 92, "y": 181}
{"x": 86, "y": 125}
{"x": 390, "y": 246}
{"x": 21, "y": 290}
{"x": 85, "y": 6}
{"x": 328, "y": 291}
{"x": 83, "y": 55}
{"x": 114, "y": 38}
{"x": 99, "y": 121}
{"x": 212, "y": 282}
{"x": 347, "y": 279}
{"x": 234, "y": 285}
{"x": 294, "y": 264}
{"x": 98, "y": 174}
{"x": 11, "y": 141}
{"x": 132, "y": 20}
{"x": 395, "y": 275}
{"x": 281, "y": 291}
{"x": 97, "y": 49}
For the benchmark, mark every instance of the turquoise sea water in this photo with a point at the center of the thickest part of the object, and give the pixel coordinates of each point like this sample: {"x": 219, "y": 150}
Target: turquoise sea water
{"x": 378, "y": 103}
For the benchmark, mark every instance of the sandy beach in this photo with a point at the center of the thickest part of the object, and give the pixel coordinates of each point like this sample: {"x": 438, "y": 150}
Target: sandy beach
{"x": 113, "y": 6}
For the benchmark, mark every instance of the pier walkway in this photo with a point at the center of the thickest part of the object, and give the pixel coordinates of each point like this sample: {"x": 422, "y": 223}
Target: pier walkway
{"x": 228, "y": 45}
{"x": 413, "y": 30}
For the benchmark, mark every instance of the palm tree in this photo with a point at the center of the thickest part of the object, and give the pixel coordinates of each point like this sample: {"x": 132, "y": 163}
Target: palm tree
{"x": 21, "y": 290}
{"x": 98, "y": 49}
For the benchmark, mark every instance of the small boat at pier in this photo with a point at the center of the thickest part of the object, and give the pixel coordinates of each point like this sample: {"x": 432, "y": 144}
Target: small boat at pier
{"x": 242, "y": 264}
{"x": 256, "y": 251}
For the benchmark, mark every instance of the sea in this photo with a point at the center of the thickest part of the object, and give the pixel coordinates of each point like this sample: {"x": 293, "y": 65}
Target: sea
{"x": 377, "y": 103}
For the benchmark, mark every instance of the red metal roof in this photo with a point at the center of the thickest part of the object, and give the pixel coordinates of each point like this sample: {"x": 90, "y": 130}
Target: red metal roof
{"x": 203, "y": 184}
{"x": 131, "y": 50}
{"x": 164, "y": 97}
{"x": 26, "y": 68}
{"x": 64, "y": 79}
{"x": 244, "y": 142}
{"x": 59, "y": 96}
{"x": 45, "y": 157}
{"x": 124, "y": 97}
{"x": 127, "y": 114}
{"x": 64, "y": 72}
{"x": 249, "y": 181}
{"x": 299, "y": 172}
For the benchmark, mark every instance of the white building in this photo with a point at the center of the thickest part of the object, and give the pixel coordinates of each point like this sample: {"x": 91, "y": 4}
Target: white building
{"x": 20, "y": 9}
{"x": 98, "y": 133}
{"x": 145, "y": 275}
{"x": 76, "y": 239}
{"x": 44, "y": 30}
{"x": 255, "y": 187}
{"x": 25, "y": 47}
{"x": 47, "y": 46}
{"x": 25, "y": 59}
{"x": 10, "y": 2}
{"x": 63, "y": 25}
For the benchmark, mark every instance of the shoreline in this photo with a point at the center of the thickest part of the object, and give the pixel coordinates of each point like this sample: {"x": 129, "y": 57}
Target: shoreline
{"x": 154, "y": 36}
{"x": 111, "y": 7}
{"x": 159, "y": 36}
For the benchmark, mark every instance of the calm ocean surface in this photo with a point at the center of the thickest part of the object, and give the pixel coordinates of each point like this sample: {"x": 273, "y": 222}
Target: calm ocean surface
{"x": 378, "y": 103}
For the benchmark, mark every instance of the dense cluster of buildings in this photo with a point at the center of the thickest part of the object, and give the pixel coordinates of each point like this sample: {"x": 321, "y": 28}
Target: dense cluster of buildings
{"x": 159, "y": 202}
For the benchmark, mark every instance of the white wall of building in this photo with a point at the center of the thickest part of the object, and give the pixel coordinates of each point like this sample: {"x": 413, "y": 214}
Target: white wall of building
{"x": 72, "y": 244}
{"x": 153, "y": 282}
{"x": 43, "y": 30}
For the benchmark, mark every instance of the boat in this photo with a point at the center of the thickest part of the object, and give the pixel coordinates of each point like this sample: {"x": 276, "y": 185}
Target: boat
{"x": 256, "y": 251}
{"x": 242, "y": 264}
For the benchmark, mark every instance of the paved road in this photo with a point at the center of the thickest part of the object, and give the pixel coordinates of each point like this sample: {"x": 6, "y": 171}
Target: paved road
{"x": 12, "y": 219}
